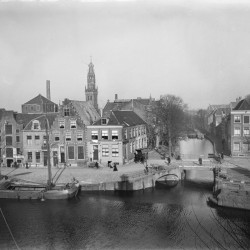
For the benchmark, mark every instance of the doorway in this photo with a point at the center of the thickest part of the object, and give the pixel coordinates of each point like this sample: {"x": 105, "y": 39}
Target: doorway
{"x": 95, "y": 152}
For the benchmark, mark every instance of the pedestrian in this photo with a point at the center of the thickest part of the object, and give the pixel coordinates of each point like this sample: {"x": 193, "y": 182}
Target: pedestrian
{"x": 115, "y": 168}
{"x": 27, "y": 165}
{"x": 169, "y": 160}
{"x": 222, "y": 155}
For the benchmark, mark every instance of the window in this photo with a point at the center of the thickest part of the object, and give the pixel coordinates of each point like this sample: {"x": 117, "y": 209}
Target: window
{"x": 9, "y": 152}
{"x": 17, "y": 131}
{"x": 104, "y": 121}
{"x": 72, "y": 123}
{"x": 246, "y": 131}
{"x": 130, "y": 132}
{"x": 134, "y": 132}
{"x": 18, "y": 151}
{"x": 71, "y": 152}
{"x": 104, "y": 134}
{"x": 36, "y": 125}
{"x": 246, "y": 119}
{"x": 125, "y": 134}
{"x": 29, "y": 140}
{"x": 17, "y": 138}
{"x": 37, "y": 139}
{"x": 246, "y": 146}
{"x": 68, "y": 136}
{"x": 29, "y": 156}
{"x": 8, "y": 140}
{"x": 237, "y": 131}
{"x": 115, "y": 150}
{"x": 139, "y": 131}
{"x": 133, "y": 146}
{"x": 38, "y": 158}
{"x": 80, "y": 153}
{"x": 131, "y": 149}
{"x": 79, "y": 136}
{"x": 105, "y": 150}
{"x": 237, "y": 118}
{"x": 66, "y": 111}
{"x": 61, "y": 124}
{"x": 114, "y": 135}
{"x": 236, "y": 146}
{"x": 8, "y": 129}
{"x": 94, "y": 135}
{"x": 57, "y": 137}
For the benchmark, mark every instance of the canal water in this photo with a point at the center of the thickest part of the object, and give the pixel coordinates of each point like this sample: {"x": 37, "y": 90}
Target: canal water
{"x": 193, "y": 148}
{"x": 160, "y": 218}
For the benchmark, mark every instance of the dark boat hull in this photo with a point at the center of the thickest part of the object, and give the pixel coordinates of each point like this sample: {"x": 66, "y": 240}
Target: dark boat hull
{"x": 169, "y": 180}
{"x": 34, "y": 192}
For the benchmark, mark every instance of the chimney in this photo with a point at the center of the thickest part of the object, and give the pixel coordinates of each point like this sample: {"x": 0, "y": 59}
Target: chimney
{"x": 116, "y": 96}
{"x": 48, "y": 89}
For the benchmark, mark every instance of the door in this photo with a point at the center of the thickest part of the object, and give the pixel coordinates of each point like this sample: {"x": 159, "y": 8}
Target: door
{"x": 95, "y": 152}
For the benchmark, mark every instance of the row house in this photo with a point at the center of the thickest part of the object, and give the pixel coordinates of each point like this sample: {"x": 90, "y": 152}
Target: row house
{"x": 240, "y": 129}
{"x": 116, "y": 138}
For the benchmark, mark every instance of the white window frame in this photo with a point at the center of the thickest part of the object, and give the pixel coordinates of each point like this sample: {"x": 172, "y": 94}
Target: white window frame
{"x": 237, "y": 118}
{"x": 105, "y": 150}
{"x": 29, "y": 141}
{"x": 36, "y": 123}
{"x": 94, "y": 133}
{"x": 237, "y": 131}
{"x": 105, "y": 133}
{"x": 115, "y": 150}
{"x": 246, "y": 129}
{"x": 61, "y": 123}
{"x": 73, "y": 124}
{"x": 79, "y": 136}
{"x": 115, "y": 134}
{"x": 68, "y": 136}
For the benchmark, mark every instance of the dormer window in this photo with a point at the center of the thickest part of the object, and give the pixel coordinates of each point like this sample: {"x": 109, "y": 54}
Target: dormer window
{"x": 104, "y": 121}
{"x": 66, "y": 111}
{"x": 36, "y": 125}
{"x": 72, "y": 123}
{"x": 61, "y": 124}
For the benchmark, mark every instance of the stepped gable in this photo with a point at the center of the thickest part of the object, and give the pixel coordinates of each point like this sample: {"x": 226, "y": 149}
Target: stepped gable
{"x": 86, "y": 111}
{"x": 243, "y": 105}
{"x": 40, "y": 100}
{"x": 42, "y": 119}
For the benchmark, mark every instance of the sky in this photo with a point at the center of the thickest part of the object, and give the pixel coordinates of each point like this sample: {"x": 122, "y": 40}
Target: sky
{"x": 197, "y": 50}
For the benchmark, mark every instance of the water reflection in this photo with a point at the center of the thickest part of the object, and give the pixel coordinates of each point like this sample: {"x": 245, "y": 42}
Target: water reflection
{"x": 176, "y": 218}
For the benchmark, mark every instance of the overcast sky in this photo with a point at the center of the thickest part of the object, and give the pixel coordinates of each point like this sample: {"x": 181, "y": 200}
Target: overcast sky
{"x": 198, "y": 50}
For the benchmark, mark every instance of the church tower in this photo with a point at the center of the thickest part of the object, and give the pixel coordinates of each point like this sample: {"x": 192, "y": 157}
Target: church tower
{"x": 91, "y": 92}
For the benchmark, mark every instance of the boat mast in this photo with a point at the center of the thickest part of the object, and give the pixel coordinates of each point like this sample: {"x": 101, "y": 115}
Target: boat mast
{"x": 49, "y": 182}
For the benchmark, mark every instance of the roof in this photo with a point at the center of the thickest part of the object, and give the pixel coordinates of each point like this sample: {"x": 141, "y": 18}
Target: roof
{"x": 243, "y": 105}
{"x": 40, "y": 100}
{"x": 86, "y": 111}
{"x": 123, "y": 117}
{"x": 125, "y": 104}
{"x": 42, "y": 119}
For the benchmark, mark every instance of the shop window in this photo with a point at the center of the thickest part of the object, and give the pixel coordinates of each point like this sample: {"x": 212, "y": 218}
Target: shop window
{"x": 71, "y": 152}
{"x": 38, "y": 157}
{"x": 80, "y": 152}
{"x": 236, "y": 146}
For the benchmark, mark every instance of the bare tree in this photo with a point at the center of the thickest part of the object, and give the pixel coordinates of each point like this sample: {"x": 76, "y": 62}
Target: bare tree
{"x": 170, "y": 119}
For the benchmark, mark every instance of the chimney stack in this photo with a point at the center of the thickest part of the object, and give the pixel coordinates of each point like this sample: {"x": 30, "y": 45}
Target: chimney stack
{"x": 116, "y": 96}
{"x": 48, "y": 89}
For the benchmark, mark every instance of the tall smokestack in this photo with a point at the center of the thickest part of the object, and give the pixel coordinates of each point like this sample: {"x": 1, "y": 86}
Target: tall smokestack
{"x": 48, "y": 89}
